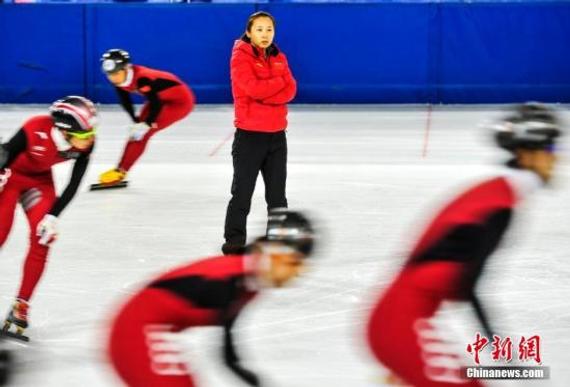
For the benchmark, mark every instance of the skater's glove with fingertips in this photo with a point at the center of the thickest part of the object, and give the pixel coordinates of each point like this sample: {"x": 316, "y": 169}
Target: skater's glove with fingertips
{"x": 5, "y": 174}
{"x": 47, "y": 230}
{"x": 138, "y": 131}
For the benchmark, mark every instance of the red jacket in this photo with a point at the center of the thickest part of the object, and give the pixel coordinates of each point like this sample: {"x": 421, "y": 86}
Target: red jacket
{"x": 261, "y": 88}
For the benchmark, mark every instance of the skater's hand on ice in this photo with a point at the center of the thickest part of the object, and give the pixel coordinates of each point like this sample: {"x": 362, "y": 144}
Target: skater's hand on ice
{"x": 5, "y": 174}
{"x": 47, "y": 230}
{"x": 137, "y": 131}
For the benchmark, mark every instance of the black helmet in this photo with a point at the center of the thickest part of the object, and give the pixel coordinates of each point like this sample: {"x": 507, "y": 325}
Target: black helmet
{"x": 529, "y": 126}
{"x": 290, "y": 227}
{"x": 114, "y": 60}
{"x": 74, "y": 114}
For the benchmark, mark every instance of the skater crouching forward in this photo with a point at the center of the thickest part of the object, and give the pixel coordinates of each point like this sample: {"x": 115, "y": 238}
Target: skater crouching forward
{"x": 168, "y": 100}
{"x": 448, "y": 259}
{"x": 208, "y": 292}
{"x": 68, "y": 133}
{"x": 262, "y": 85}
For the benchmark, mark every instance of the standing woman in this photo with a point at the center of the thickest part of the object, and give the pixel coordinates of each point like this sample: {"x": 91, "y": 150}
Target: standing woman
{"x": 262, "y": 85}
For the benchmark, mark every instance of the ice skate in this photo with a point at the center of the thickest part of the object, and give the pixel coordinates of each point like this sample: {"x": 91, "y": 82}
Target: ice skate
{"x": 113, "y": 178}
{"x": 18, "y": 316}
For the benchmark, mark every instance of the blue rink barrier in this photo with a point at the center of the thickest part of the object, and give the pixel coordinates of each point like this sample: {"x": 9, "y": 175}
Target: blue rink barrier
{"x": 380, "y": 52}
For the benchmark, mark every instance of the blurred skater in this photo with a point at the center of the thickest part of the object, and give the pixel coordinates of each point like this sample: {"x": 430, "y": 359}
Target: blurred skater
{"x": 449, "y": 258}
{"x": 208, "y": 292}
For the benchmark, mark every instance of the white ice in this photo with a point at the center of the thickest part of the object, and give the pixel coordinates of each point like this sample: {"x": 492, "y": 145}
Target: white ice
{"x": 370, "y": 174}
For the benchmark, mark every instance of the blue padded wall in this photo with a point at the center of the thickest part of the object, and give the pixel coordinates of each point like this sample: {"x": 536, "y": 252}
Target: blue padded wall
{"x": 42, "y": 52}
{"x": 382, "y": 52}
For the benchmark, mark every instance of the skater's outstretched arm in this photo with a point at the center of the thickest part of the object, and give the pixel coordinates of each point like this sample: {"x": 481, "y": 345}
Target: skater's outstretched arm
{"x": 68, "y": 193}
{"x": 10, "y": 150}
{"x": 481, "y": 315}
{"x": 127, "y": 103}
{"x": 150, "y": 89}
{"x": 47, "y": 228}
{"x": 154, "y": 109}
{"x": 488, "y": 239}
{"x": 232, "y": 359}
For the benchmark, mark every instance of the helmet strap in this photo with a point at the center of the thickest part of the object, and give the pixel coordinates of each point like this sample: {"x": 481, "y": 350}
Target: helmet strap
{"x": 59, "y": 139}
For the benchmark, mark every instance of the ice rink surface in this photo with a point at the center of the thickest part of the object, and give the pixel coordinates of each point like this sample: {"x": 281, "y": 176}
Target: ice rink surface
{"x": 372, "y": 175}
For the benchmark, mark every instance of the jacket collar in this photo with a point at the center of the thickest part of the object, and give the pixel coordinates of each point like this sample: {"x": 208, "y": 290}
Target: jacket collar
{"x": 249, "y": 48}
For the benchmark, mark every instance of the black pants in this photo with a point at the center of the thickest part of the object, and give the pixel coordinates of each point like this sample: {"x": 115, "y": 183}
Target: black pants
{"x": 253, "y": 152}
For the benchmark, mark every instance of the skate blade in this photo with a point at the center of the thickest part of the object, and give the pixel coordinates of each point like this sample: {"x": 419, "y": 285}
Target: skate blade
{"x": 15, "y": 336}
{"x": 100, "y": 186}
